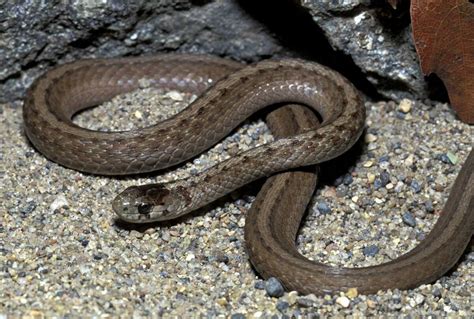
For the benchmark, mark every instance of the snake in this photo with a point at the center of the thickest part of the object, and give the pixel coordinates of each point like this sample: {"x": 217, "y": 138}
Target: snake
{"x": 316, "y": 115}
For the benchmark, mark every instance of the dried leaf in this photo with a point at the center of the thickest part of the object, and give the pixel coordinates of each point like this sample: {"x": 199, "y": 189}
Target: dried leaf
{"x": 444, "y": 38}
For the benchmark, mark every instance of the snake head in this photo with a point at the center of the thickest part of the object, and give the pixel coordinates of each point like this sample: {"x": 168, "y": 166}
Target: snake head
{"x": 149, "y": 203}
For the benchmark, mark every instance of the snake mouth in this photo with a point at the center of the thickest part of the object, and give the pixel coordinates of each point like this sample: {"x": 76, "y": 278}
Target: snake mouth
{"x": 125, "y": 206}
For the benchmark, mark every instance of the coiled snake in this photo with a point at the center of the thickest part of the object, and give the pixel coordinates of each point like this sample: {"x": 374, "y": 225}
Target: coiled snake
{"x": 229, "y": 93}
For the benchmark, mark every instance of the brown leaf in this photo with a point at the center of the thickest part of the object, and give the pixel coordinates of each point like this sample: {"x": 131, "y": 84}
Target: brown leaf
{"x": 444, "y": 38}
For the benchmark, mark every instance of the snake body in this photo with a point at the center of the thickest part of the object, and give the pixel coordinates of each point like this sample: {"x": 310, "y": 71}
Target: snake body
{"x": 229, "y": 93}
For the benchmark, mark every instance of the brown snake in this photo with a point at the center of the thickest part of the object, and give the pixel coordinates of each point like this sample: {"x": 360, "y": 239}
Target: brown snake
{"x": 230, "y": 93}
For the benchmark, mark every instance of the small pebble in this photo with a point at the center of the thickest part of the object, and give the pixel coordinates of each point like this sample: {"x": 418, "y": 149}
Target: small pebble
{"x": 415, "y": 186}
{"x": 470, "y": 257}
{"x": 343, "y": 301}
{"x": 384, "y": 178}
{"x": 384, "y": 159}
{"x": 138, "y": 114}
{"x": 369, "y": 138}
{"x": 174, "y": 95}
{"x": 304, "y": 302}
{"x": 59, "y": 202}
{"x": 352, "y": 293}
{"x": 444, "y": 158}
{"x": 323, "y": 208}
{"x": 282, "y": 305}
{"x": 453, "y": 159}
{"x": 292, "y": 297}
{"x": 274, "y": 288}
{"x": 409, "y": 219}
{"x": 368, "y": 164}
{"x": 370, "y": 178}
{"x": 429, "y": 206}
{"x": 419, "y": 299}
{"x": 405, "y": 105}
{"x": 437, "y": 293}
{"x": 28, "y": 208}
{"x": 370, "y": 251}
{"x": 348, "y": 179}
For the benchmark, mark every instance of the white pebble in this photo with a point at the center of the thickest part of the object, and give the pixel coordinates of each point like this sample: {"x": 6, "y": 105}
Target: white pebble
{"x": 174, "y": 95}
{"x": 58, "y": 202}
{"x": 419, "y": 299}
{"x": 369, "y": 138}
{"x": 405, "y": 105}
{"x": 343, "y": 301}
{"x": 378, "y": 200}
{"x": 368, "y": 164}
{"x": 138, "y": 114}
{"x": 370, "y": 178}
{"x": 292, "y": 296}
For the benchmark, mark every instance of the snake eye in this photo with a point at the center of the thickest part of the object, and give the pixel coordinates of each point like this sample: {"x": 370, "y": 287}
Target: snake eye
{"x": 144, "y": 209}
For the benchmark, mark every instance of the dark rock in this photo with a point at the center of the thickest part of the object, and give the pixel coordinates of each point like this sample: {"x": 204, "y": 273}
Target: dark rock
{"x": 409, "y": 219}
{"x": 282, "y": 305}
{"x": 84, "y": 242}
{"x": 384, "y": 158}
{"x": 348, "y": 179}
{"x": 338, "y": 181}
{"x": 444, "y": 158}
{"x": 415, "y": 186}
{"x": 429, "y": 206}
{"x": 40, "y": 34}
{"x": 28, "y": 208}
{"x": 274, "y": 287}
{"x": 377, "y": 38}
{"x": 259, "y": 285}
{"x": 323, "y": 208}
{"x": 370, "y": 251}
{"x": 374, "y": 39}
{"x": 437, "y": 293}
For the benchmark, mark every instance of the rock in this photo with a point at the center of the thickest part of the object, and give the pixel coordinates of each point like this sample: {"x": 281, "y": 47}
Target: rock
{"x": 387, "y": 55}
{"x": 282, "y": 306}
{"x": 352, "y": 293}
{"x": 343, "y": 301}
{"x": 370, "y": 251}
{"x": 59, "y": 202}
{"x": 415, "y": 186}
{"x": 274, "y": 287}
{"x": 53, "y": 33}
{"x": 348, "y": 179}
{"x": 409, "y": 219}
{"x": 383, "y": 58}
{"x": 323, "y": 208}
{"x": 405, "y": 105}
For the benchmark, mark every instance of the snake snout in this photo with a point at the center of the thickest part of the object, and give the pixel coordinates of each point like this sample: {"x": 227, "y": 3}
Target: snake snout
{"x": 144, "y": 204}
{"x": 127, "y": 205}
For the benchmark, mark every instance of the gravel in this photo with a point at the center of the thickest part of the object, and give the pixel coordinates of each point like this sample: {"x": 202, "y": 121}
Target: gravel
{"x": 63, "y": 253}
{"x": 274, "y": 287}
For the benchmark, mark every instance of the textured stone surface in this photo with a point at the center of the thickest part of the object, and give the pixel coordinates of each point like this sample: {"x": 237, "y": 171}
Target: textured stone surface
{"x": 367, "y": 41}
{"x": 377, "y": 38}
{"x": 36, "y": 35}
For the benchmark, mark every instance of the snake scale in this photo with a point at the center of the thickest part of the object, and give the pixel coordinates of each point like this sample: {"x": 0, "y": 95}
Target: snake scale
{"x": 230, "y": 92}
